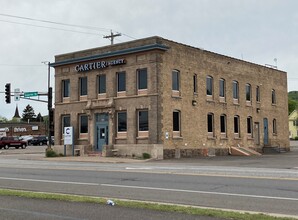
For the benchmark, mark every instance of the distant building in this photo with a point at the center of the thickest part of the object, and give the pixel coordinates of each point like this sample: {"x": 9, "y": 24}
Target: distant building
{"x": 293, "y": 124}
{"x": 16, "y": 116}
{"x": 168, "y": 99}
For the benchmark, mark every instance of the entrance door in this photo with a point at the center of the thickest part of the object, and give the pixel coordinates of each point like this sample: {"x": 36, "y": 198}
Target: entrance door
{"x": 102, "y": 131}
{"x": 266, "y": 131}
{"x": 257, "y": 133}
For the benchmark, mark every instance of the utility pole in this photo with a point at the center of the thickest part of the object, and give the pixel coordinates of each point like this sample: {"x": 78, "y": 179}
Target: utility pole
{"x": 112, "y": 36}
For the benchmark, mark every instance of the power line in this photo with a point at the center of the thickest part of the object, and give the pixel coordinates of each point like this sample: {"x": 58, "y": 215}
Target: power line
{"x": 60, "y": 23}
{"x": 61, "y": 29}
{"x": 53, "y": 22}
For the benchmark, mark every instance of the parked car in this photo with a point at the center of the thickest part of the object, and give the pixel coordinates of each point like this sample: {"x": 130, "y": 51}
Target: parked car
{"x": 27, "y": 138}
{"x": 12, "y": 141}
{"x": 39, "y": 140}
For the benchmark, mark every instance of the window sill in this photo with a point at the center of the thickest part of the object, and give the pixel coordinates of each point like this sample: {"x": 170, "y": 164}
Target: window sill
{"x": 142, "y": 138}
{"x": 274, "y": 134}
{"x": 211, "y": 138}
{"x": 224, "y": 138}
{"x": 121, "y": 138}
{"x": 178, "y": 138}
{"x": 237, "y": 138}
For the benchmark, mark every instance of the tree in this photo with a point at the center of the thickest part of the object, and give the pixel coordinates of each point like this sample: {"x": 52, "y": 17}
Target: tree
{"x": 3, "y": 119}
{"x": 28, "y": 114}
{"x": 39, "y": 118}
{"x": 292, "y": 105}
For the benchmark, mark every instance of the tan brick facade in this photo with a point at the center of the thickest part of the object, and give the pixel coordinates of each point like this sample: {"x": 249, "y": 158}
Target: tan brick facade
{"x": 160, "y": 57}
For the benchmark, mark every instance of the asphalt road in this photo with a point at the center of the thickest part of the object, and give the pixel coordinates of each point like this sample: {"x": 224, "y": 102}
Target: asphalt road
{"x": 264, "y": 184}
{"x": 17, "y": 208}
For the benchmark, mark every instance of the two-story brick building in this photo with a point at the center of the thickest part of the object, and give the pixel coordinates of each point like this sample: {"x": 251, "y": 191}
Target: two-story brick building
{"x": 168, "y": 99}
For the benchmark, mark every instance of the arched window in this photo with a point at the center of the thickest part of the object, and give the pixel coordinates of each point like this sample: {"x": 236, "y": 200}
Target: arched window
{"x": 222, "y": 90}
{"x": 248, "y": 92}
{"x": 236, "y": 126}
{"x": 249, "y": 126}
{"x": 274, "y": 129}
{"x": 223, "y": 125}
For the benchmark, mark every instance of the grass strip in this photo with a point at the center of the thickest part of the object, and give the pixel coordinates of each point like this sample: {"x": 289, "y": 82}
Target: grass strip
{"x": 143, "y": 205}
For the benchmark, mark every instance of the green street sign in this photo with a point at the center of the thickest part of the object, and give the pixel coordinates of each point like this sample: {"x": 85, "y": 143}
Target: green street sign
{"x": 30, "y": 94}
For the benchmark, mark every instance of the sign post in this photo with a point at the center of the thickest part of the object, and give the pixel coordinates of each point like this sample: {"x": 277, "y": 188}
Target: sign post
{"x": 17, "y": 93}
{"x": 68, "y": 139}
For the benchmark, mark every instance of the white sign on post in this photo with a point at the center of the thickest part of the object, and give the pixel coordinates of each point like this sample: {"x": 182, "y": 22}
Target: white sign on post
{"x": 17, "y": 93}
{"x": 68, "y": 133}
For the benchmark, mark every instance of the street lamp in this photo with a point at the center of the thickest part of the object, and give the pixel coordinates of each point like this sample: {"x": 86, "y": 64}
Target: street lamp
{"x": 50, "y": 98}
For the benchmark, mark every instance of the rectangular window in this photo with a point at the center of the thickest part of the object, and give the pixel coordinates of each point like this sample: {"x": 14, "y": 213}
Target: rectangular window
{"x": 249, "y": 125}
{"x": 176, "y": 121}
{"x": 248, "y": 92}
{"x": 274, "y": 126}
{"x": 83, "y": 86}
{"x": 142, "y": 79}
{"x": 122, "y": 122}
{"x": 223, "y": 126}
{"x": 195, "y": 83}
{"x": 236, "y": 126}
{"x": 235, "y": 90}
{"x": 143, "y": 121}
{"x": 175, "y": 80}
{"x": 258, "y": 97}
{"x": 121, "y": 82}
{"x": 209, "y": 85}
{"x": 210, "y": 123}
{"x": 101, "y": 84}
{"x": 273, "y": 96}
{"x": 222, "y": 88}
{"x": 83, "y": 124}
{"x": 65, "y": 122}
{"x": 66, "y": 88}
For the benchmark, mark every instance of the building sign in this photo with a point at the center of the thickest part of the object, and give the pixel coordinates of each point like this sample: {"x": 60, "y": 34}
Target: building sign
{"x": 98, "y": 65}
{"x": 18, "y": 129}
{"x": 68, "y": 135}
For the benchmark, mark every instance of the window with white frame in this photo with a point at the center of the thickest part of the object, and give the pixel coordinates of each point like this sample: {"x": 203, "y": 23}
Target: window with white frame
{"x": 235, "y": 91}
{"x": 222, "y": 90}
{"x": 248, "y": 92}
{"x": 209, "y": 86}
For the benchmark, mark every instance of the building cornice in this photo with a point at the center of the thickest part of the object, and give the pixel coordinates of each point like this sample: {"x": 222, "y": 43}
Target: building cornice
{"x": 112, "y": 54}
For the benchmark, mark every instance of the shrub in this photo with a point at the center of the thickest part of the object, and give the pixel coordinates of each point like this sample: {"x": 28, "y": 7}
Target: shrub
{"x": 51, "y": 153}
{"x": 146, "y": 156}
{"x": 296, "y": 138}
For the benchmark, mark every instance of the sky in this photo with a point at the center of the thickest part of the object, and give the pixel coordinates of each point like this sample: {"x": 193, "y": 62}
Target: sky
{"x": 264, "y": 32}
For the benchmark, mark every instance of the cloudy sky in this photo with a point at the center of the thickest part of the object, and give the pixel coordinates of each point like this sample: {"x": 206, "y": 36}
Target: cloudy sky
{"x": 259, "y": 31}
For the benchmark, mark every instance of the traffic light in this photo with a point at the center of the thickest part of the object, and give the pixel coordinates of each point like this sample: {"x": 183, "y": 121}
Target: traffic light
{"x": 50, "y": 98}
{"x": 7, "y": 93}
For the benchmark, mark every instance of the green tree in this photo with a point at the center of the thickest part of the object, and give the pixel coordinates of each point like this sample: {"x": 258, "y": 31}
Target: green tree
{"x": 28, "y": 114}
{"x": 292, "y": 105}
{"x": 39, "y": 118}
{"x": 3, "y": 119}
